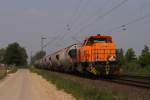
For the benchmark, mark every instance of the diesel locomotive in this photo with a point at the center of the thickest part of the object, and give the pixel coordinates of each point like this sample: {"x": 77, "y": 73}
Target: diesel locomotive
{"x": 96, "y": 55}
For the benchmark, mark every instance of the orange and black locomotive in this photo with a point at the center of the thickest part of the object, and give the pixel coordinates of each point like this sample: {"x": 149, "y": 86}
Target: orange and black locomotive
{"x": 96, "y": 55}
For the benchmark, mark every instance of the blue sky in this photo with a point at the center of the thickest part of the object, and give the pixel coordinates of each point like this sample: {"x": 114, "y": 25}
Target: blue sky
{"x": 25, "y": 21}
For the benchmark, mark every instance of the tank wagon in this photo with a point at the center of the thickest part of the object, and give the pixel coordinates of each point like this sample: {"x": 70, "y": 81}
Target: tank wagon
{"x": 96, "y": 55}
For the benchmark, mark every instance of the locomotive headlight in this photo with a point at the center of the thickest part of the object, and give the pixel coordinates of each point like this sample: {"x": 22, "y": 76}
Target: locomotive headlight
{"x": 112, "y": 58}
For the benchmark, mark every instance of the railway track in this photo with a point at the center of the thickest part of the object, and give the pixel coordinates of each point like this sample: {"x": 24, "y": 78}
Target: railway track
{"x": 131, "y": 91}
{"x": 137, "y": 81}
{"x": 130, "y": 80}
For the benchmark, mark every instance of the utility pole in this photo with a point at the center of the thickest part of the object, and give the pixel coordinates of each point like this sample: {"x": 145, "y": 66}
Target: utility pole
{"x": 42, "y": 43}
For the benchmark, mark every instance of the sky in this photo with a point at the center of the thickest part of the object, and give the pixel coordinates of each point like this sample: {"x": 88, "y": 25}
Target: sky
{"x": 63, "y": 22}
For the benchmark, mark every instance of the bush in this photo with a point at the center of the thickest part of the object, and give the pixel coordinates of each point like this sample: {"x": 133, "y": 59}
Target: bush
{"x": 3, "y": 73}
{"x": 12, "y": 69}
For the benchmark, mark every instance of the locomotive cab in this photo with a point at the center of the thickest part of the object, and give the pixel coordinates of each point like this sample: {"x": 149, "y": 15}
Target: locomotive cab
{"x": 92, "y": 40}
{"x": 98, "y": 55}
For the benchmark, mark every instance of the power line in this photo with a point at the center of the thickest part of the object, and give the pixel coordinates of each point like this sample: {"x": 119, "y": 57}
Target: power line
{"x": 102, "y": 16}
{"x": 78, "y": 41}
{"x": 52, "y": 40}
{"x": 129, "y": 23}
{"x": 79, "y": 14}
{"x": 98, "y": 17}
{"x": 77, "y": 9}
{"x": 74, "y": 14}
{"x": 96, "y": 13}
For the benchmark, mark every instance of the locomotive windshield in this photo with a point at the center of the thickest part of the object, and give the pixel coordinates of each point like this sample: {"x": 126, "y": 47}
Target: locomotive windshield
{"x": 101, "y": 40}
{"x": 91, "y": 41}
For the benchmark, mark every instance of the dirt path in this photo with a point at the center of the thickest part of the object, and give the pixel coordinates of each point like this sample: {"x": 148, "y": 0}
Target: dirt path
{"x": 25, "y": 85}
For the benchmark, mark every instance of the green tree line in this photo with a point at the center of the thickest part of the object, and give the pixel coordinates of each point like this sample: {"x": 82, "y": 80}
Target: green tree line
{"x": 133, "y": 64}
{"x": 13, "y": 54}
{"x": 37, "y": 56}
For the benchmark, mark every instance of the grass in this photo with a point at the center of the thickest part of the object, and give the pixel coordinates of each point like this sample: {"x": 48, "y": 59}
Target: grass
{"x": 80, "y": 92}
{"x": 135, "y": 69}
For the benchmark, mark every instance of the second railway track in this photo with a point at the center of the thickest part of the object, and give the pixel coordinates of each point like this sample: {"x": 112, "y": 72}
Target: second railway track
{"x": 137, "y": 81}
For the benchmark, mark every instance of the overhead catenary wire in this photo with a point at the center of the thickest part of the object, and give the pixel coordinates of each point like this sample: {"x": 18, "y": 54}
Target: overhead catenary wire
{"x": 50, "y": 42}
{"x": 129, "y": 23}
{"x": 95, "y": 14}
{"x": 75, "y": 12}
{"x": 102, "y": 16}
{"x": 54, "y": 40}
{"x": 98, "y": 18}
{"x": 79, "y": 13}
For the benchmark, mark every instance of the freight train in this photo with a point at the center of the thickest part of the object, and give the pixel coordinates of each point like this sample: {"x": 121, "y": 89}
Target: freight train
{"x": 96, "y": 55}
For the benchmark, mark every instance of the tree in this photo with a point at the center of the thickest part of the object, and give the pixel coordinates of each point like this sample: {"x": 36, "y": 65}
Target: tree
{"x": 130, "y": 55}
{"x": 2, "y": 53}
{"x": 144, "y": 58}
{"x": 120, "y": 56}
{"x": 15, "y": 54}
{"x": 38, "y": 56}
{"x": 24, "y": 56}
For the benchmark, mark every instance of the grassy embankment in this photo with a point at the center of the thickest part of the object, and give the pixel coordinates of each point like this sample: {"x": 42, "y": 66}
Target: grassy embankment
{"x": 135, "y": 69}
{"x": 80, "y": 92}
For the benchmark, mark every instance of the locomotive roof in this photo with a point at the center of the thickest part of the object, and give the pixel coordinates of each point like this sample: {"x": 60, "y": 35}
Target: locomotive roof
{"x": 102, "y": 37}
